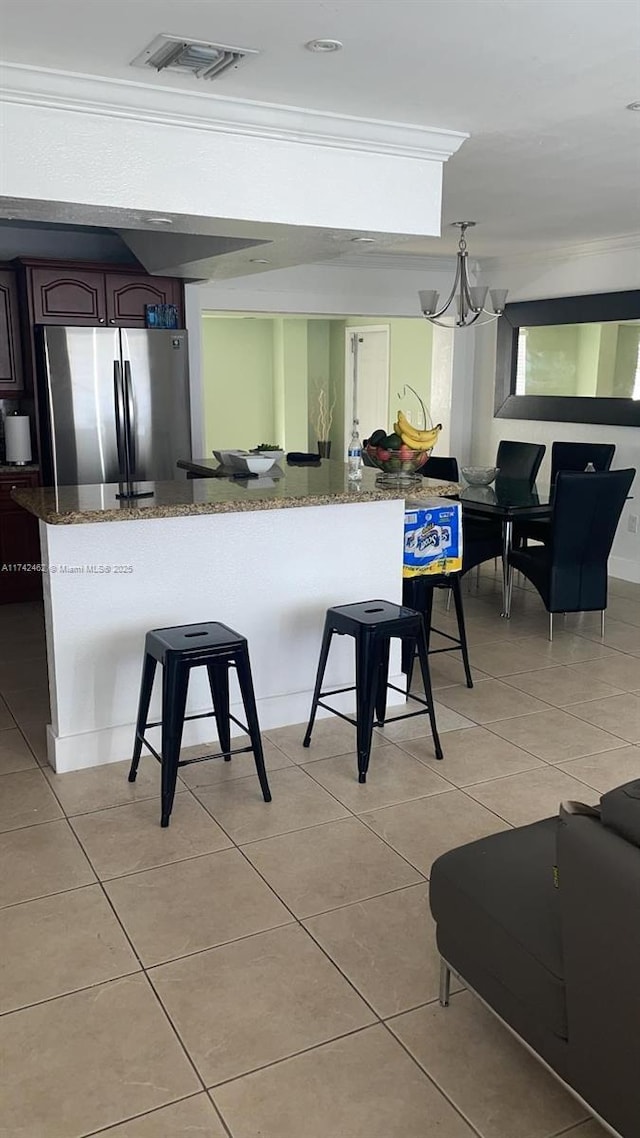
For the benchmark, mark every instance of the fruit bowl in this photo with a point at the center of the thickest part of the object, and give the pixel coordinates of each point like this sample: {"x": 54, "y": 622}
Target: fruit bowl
{"x": 479, "y": 475}
{"x": 399, "y": 455}
{"x": 401, "y": 462}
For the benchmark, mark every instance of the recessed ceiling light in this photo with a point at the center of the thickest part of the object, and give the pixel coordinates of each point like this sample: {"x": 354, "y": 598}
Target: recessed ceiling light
{"x": 259, "y": 261}
{"x": 158, "y": 220}
{"x": 633, "y": 106}
{"x": 362, "y": 240}
{"x": 323, "y": 46}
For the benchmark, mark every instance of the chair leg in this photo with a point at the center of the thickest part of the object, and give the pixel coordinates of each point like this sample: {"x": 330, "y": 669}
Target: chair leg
{"x": 602, "y": 623}
{"x": 367, "y": 670}
{"x": 448, "y": 605}
{"x": 550, "y": 626}
{"x": 245, "y": 681}
{"x": 423, "y": 603}
{"x": 445, "y": 984}
{"x": 457, "y": 596}
{"x": 428, "y": 694}
{"x": 322, "y": 663}
{"x": 175, "y": 681}
{"x": 219, "y": 684}
{"x": 146, "y": 687}
{"x": 381, "y": 687}
{"x": 509, "y": 592}
{"x": 408, "y": 650}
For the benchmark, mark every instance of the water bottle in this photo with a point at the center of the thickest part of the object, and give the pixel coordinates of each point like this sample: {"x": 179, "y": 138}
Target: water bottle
{"x": 354, "y": 460}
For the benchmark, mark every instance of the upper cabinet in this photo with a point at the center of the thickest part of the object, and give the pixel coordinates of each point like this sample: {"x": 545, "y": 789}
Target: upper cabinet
{"x": 66, "y": 294}
{"x": 11, "y": 374}
{"x": 127, "y": 297}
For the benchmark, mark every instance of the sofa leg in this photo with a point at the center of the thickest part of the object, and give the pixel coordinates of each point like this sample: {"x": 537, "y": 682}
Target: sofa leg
{"x": 445, "y": 984}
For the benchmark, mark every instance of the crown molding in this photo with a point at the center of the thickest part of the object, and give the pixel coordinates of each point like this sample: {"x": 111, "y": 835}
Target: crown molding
{"x": 629, "y": 242}
{"x": 171, "y": 106}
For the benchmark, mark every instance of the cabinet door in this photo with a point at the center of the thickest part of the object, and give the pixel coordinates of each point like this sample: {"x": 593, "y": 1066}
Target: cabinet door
{"x": 11, "y": 376}
{"x": 68, "y": 296}
{"x": 128, "y": 295}
{"x": 19, "y": 545}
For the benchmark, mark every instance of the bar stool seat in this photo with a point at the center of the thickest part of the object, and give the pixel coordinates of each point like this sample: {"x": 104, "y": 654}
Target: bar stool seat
{"x": 373, "y": 624}
{"x": 179, "y": 649}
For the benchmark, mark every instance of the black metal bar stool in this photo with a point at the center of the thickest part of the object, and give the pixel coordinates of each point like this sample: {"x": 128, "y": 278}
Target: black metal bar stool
{"x": 417, "y": 592}
{"x": 179, "y": 649}
{"x": 373, "y": 624}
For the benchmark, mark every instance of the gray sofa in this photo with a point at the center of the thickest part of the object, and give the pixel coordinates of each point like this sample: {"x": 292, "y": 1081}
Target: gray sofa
{"x": 543, "y": 923}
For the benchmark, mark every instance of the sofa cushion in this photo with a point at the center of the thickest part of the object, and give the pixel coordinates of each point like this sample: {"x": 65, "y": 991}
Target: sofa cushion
{"x": 498, "y": 897}
{"x": 620, "y": 811}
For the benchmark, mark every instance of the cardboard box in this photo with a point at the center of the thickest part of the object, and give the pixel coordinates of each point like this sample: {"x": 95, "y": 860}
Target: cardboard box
{"x": 432, "y": 537}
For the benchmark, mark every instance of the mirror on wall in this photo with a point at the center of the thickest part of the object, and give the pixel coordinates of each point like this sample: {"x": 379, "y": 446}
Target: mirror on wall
{"x": 573, "y": 359}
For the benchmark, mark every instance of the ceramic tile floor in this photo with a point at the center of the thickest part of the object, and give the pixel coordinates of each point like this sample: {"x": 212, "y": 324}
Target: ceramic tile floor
{"x": 270, "y": 971}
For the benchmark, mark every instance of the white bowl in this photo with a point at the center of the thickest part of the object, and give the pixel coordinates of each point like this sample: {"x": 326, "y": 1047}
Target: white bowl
{"x": 479, "y": 475}
{"x": 242, "y": 462}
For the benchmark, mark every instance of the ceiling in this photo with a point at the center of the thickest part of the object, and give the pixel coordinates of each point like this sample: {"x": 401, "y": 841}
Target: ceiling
{"x": 541, "y": 86}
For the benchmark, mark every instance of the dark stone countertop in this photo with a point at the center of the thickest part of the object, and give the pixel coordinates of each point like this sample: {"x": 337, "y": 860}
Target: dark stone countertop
{"x": 282, "y": 488}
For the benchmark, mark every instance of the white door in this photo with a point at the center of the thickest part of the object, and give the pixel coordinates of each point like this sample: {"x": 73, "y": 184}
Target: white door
{"x": 366, "y": 394}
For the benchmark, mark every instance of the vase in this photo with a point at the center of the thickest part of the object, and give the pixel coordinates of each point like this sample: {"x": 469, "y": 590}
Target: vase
{"x": 324, "y": 448}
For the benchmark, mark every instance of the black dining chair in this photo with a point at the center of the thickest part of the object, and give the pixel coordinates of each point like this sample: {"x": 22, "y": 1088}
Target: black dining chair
{"x": 570, "y": 572}
{"x": 577, "y": 456}
{"x": 565, "y": 456}
{"x": 519, "y": 461}
{"x": 482, "y": 537}
{"x": 441, "y": 468}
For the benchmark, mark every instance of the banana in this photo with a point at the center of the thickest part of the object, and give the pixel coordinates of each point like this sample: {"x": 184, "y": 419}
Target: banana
{"x": 407, "y": 428}
{"x": 418, "y": 440}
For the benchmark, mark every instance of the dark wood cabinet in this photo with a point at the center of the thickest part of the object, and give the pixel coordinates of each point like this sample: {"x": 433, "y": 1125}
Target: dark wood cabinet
{"x": 11, "y": 373}
{"x": 127, "y": 297}
{"x": 19, "y": 543}
{"x": 68, "y": 296}
{"x": 95, "y": 296}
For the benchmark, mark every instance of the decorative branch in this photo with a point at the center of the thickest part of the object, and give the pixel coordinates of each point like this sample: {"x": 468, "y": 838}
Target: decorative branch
{"x": 323, "y": 417}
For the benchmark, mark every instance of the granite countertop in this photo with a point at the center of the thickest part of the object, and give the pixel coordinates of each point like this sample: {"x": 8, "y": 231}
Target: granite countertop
{"x": 291, "y": 486}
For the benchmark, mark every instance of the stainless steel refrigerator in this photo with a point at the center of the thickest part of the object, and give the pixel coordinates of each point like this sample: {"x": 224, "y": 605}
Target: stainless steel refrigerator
{"x": 116, "y": 404}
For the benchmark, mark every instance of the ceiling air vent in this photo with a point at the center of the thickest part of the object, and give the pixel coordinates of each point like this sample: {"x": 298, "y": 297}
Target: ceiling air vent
{"x": 190, "y": 57}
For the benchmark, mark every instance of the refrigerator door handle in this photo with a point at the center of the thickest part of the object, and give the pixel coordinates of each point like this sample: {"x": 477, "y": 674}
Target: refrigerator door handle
{"x": 130, "y": 418}
{"x": 121, "y": 429}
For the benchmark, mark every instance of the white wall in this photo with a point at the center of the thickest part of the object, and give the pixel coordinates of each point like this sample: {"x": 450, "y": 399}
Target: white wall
{"x": 598, "y": 270}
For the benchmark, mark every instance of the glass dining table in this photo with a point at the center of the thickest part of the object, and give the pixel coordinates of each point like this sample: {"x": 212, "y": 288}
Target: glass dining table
{"x": 508, "y": 500}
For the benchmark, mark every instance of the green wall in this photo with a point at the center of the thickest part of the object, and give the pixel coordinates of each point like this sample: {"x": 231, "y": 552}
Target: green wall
{"x": 238, "y": 380}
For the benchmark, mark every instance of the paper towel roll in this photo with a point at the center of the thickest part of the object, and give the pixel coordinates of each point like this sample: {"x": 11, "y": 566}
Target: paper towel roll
{"x": 17, "y": 439}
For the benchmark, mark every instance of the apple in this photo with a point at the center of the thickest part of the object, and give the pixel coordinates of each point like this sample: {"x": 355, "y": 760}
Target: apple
{"x": 406, "y": 453}
{"x": 383, "y": 455}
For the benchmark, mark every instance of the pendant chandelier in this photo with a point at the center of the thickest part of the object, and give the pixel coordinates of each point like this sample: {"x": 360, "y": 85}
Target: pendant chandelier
{"x": 465, "y": 302}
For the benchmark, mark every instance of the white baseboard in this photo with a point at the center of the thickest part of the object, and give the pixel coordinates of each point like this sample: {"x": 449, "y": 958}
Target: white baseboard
{"x": 625, "y": 569}
{"x": 113, "y": 744}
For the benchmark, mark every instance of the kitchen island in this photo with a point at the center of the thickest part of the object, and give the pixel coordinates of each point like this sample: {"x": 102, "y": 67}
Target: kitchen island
{"x": 266, "y": 559}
